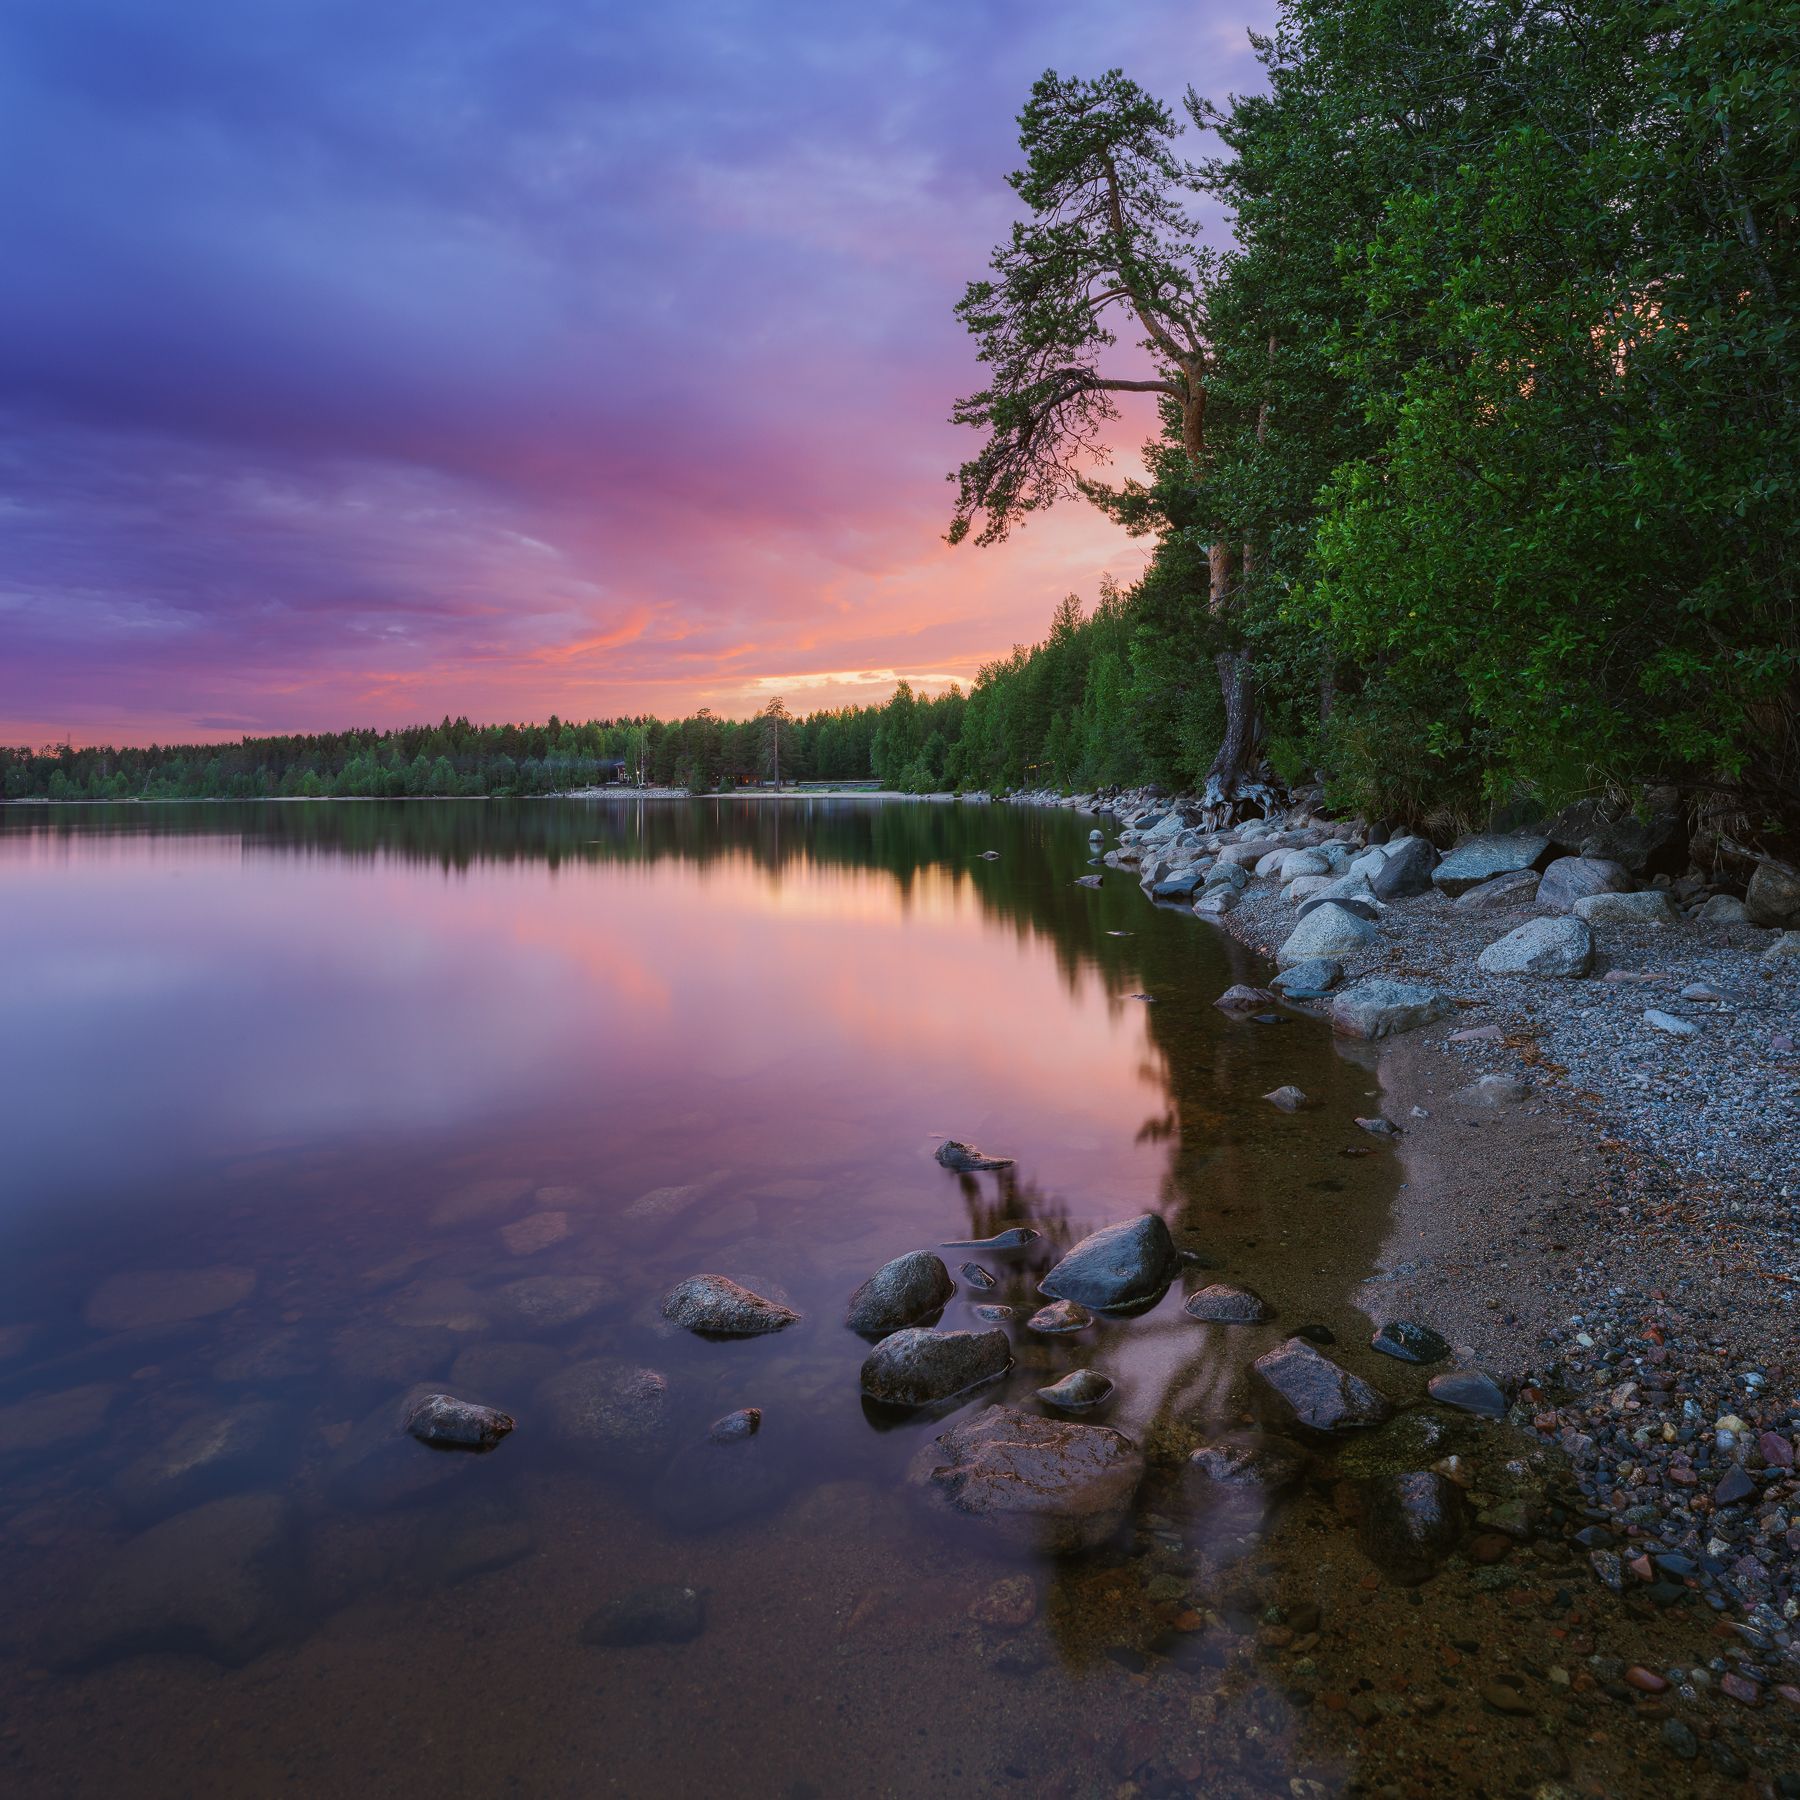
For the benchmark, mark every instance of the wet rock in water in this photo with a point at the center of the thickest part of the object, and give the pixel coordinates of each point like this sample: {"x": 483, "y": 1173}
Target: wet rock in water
{"x": 1223, "y": 1304}
{"x": 214, "y": 1451}
{"x": 453, "y": 1424}
{"x": 1121, "y": 1265}
{"x": 1316, "y": 1334}
{"x": 965, "y": 1159}
{"x": 1495, "y": 1090}
{"x": 1015, "y": 1237}
{"x": 217, "y": 1581}
{"x": 44, "y": 1420}
{"x": 1250, "y": 1459}
{"x": 1470, "y": 1391}
{"x": 654, "y": 1211}
{"x": 1049, "y": 1486}
{"x": 905, "y": 1291}
{"x": 1242, "y": 999}
{"x": 280, "y": 1356}
{"x": 1380, "y": 1008}
{"x": 1331, "y": 929}
{"x": 720, "y": 1482}
{"x": 1502, "y": 894}
{"x": 1556, "y": 946}
{"x": 1309, "y": 980}
{"x": 503, "y": 1368}
{"x": 1087, "y": 881}
{"x": 978, "y": 1278}
{"x": 548, "y": 1302}
{"x": 1078, "y": 1390}
{"x": 1572, "y": 878}
{"x": 477, "y": 1542}
{"x": 1059, "y": 1316}
{"x": 536, "y": 1231}
{"x": 918, "y": 1367}
{"x": 1405, "y": 870}
{"x": 1481, "y": 858}
{"x": 1288, "y": 1099}
{"x": 1411, "y": 1522}
{"x": 1409, "y": 1342}
{"x": 1316, "y": 1391}
{"x": 608, "y": 1410}
{"x": 153, "y": 1297}
{"x": 1008, "y": 1605}
{"x": 996, "y": 1315}
{"x": 481, "y": 1200}
{"x": 745, "y": 1422}
{"x": 1648, "y": 907}
{"x": 1178, "y": 884}
{"x": 717, "y": 1305}
{"x": 447, "y": 1303}
{"x": 1415, "y": 1439}
{"x": 664, "y": 1613}
{"x": 1380, "y": 1126}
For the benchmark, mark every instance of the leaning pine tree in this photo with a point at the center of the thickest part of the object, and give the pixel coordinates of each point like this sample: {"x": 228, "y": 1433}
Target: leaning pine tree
{"x": 1107, "y": 242}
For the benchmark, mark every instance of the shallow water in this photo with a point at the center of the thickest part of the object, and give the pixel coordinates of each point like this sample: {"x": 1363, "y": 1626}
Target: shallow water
{"x": 298, "y": 1096}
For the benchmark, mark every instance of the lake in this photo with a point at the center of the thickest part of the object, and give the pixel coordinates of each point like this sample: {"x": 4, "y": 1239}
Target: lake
{"x": 310, "y": 1104}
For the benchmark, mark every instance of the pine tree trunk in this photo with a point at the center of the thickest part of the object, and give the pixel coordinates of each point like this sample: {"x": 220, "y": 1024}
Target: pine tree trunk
{"x": 1236, "y": 692}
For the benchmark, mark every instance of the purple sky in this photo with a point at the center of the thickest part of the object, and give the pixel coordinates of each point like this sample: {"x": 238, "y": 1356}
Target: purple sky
{"x": 364, "y": 360}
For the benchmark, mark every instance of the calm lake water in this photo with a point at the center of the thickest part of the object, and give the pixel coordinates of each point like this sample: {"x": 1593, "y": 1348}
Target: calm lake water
{"x": 309, "y": 1104}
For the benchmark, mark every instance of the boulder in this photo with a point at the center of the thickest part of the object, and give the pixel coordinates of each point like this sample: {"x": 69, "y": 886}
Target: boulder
{"x": 965, "y": 1159}
{"x": 1773, "y": 896}
{"x": 721, "y": 1307}
{"x": 1048, "y": 1486}
{"x": 1250, "y": 1459}
{"x": 918, "y": 1366}
{"x": 1784, "y": 953}
{"x": 1222, "y": 1304}
{"x": 451, "y": 1424}
{"x": 1216, "y": 901}
{"x": 1122, "y": 1265}
{"x": 1647, "y": 841}
{"x": 1504, "y": 891}
{"x": 1572, "y": 878}
{"x": 1242, "y": 999}
{"x": 1316, "y": 1392}
{"x": 219, "y": 1581}
{"x": 1554, "y": 946}
{"x": 1405, "y": 870}
{"x": 1350, "y": 890}
{"x": 1227, "y": 875}
{"x": 666, "y": 1613}
{"x": 1411, "y": 1521}
{"x": 1079, "y": 1390}
{"x": 1469, "y": 1390}
{"x": 607, "y": 1410}
{"x": 1380, "y": 1008}
{"x": 1481, "y": 858}
{"x": 1178, "y": 884}
{"x": 1723, "y": 909}
{"x": 906, "y": 1291}
{"x": 1649, "y": 907}
{"x": 1330, "y": 930}
{"x": 1309, "y": 980}
{"x": 1295, "y": 863}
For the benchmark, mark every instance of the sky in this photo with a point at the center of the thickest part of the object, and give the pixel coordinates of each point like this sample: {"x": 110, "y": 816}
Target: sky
{"x": 363, "y": 361}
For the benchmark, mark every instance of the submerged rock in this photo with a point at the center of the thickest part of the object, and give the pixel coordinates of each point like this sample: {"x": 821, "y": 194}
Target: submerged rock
{"x": 995, "y": 1315}
{"x": 1222, "y": 1304}
{"x": 1409, "y": 1342}
{"x": 719, "y": 1482}
{"x": 1411, "y": 1522}
{"x": 905, "y": 1291}
{"x": 745, "y": 1422}
{"x": 724, "y": 1308}
{"x": 1380, "y": 1008}
{"x": 210, "y": 1452}
{"x": 1316, "y": 1391}
{"x": 548, "y": 1302}
{"x": 1059, "y": 1316}
{"x": 217, "y": 1581}
{"x": 492, "y": 1369}
{"x": 1288, "y": 1099}
{"x": 154, "y": 1297}
{"x": 965, "y": 1159}
{"x": 453, "y": 1424}
{"x": 918, "y": 1367}
{"x": 664, "y": 1613}
{"x": 44, "y": 1420}
{"x": 1050, "y": 1486}
{"x": 1121, "y": 1265}
{"x": 977, "y": 1277}
{"x": 1015, "y": 1237}
{"x": 1470, "y": 1390}
{"x": 1250, "y": 1459}
{"x": 1078, "y": 1390}
{"x": 1242, "y": 999}
{"x": 609, "y": 1410}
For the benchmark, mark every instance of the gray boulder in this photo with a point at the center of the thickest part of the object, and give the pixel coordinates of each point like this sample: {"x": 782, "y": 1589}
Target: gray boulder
{"x": 1723, "y": 909}
{"x": 917, "y": 1367}
{"x": 1047, "y": 1486}
{"x": 1119, "y": 1266}
{"x": 1405, "y": 870}
{"x": 1058, "y": 1317}
{"x": 1381, "y": 1008}
{"x": 1242, "y": 999}
{"x": 1216, "y": 901}
{"x": 1350, "y": 891}
{"x": 1650, "y": 907}
{"x": 1773, "y": 896}
{"x": 906, "y": 1291}
{"x": 1572, "y": 878}
{"x": 1555, "y": 946}
{"x": 1227, "y": 875}
{"x": 1079, "y": 1390}
{"x": 1783, "y": 953}
{"x": 724, "y": 1308}
{"x": 1310, "y": 979}
{"x": 607, "y": 1410}
{"x": 451, "y": 1424}
{"x": 1503, "y": 891}
{"x": 1479, "y": 859}
{"x": 1316, "y": 1392}
{"x": 1411, "y": 1522}
{"x": 1303, "y": 862}
{"x": 1223, "y": 1304}
{"x": 1331, "y": 930}
{"x": 1178, "y": 884}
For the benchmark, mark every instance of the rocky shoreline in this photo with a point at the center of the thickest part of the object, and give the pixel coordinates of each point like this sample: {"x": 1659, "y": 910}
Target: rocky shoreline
{"x": 1623, "y": 1247}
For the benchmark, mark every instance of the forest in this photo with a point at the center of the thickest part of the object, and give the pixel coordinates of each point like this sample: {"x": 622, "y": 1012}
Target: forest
{"x": 1471, "y": 468}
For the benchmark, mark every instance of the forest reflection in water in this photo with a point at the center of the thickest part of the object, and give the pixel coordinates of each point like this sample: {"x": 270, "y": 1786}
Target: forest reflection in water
{"x": 395, "y": 1067}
